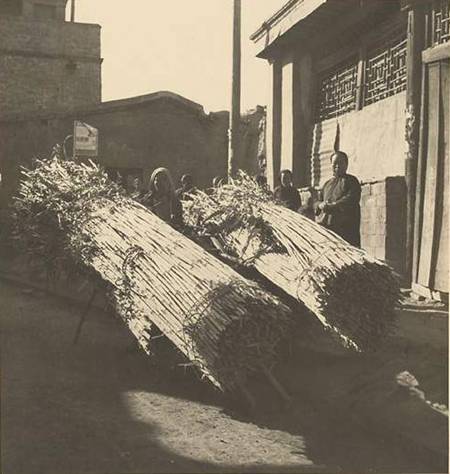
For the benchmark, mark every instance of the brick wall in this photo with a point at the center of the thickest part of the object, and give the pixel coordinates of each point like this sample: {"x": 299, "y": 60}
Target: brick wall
{"x": 48, "y": 64}
{"x": 50, "y": 37}
{"x": 28, "y": 8}
{"x": 383, "y": 221}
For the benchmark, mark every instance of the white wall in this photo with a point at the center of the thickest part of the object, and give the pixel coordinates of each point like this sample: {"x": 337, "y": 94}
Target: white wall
{"x": 373, "y": 138}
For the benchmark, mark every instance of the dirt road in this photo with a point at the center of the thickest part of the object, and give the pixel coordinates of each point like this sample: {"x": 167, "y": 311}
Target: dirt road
{"x": 101, "y": 407}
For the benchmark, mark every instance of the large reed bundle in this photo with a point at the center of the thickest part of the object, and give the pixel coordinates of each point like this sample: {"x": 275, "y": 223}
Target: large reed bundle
{"x": 348, "y": 290}
{"x": 226, "y": 326}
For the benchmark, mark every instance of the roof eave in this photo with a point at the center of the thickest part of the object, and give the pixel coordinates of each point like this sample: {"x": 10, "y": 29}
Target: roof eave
{"x": 279, "y": 14}
{"x": 273, "y": 31}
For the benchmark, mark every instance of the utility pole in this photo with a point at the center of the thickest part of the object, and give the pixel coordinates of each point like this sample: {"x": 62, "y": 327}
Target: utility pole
{"x": 72, "y": 11}
{"x": 235, "y": 114}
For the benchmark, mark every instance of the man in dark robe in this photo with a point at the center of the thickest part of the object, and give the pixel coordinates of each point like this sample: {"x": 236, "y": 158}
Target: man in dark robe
{"x": 339, "y": 209}
{"x": 286, "y": 194}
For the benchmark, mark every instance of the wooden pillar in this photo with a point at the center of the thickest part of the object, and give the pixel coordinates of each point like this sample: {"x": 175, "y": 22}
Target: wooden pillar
{"x": 303, "y": 118}
{"x": 296, "y": 116}
{"x": 415, "y": 45}
{"x": 287, "y": 115}
{"x": 273, "y": 125}
{"x": 361, "y": 77}
{"x": 235, "y": 115}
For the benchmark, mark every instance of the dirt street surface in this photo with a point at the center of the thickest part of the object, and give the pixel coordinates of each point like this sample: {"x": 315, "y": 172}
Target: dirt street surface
{"x": 101, "y": 407}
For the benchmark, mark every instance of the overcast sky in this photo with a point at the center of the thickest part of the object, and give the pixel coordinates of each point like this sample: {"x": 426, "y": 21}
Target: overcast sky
{"x": 179, "y": 45}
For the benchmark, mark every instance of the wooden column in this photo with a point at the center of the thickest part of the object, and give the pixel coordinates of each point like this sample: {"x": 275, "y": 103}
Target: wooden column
{"x": 273, "y": 126}
{"x": 361, "y": 76}
{"x": 296, "y": 116}
{"x": 415, "y": 45}
{"x": 303, "y": 118}
{"x": 287, "y": 114}
{"x": 235, "y": 115}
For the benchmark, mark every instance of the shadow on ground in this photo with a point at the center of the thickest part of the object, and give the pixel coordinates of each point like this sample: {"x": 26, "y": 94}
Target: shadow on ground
{"x": 100, "y": 406}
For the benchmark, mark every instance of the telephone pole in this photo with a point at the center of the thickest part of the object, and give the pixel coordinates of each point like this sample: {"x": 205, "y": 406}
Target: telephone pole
{"x": 235, "y": 114}
{"x": 72, "y": 11}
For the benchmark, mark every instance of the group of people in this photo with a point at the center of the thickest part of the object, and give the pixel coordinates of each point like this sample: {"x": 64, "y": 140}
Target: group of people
{"x": 337, "y": 208}
{"x": 338, "y": 205}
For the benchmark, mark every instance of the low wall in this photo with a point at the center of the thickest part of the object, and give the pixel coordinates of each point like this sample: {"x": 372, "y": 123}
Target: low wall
{"x": 383, "y": 219}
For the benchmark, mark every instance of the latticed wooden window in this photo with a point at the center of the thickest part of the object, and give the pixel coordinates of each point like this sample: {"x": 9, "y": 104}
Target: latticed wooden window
{"x": 385, "y": 71}
{"x": 440, "y": 24}
{"x": 337, "y": 90}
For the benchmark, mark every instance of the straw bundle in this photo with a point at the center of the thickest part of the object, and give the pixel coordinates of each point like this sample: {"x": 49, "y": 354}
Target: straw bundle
{"x": 226, "y": 326}
{"x": 349, "y": 291}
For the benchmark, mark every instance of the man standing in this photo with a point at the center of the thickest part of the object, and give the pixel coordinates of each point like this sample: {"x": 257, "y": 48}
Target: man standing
{"x": 339, "y": 209}
{"x": 286, "y": 194}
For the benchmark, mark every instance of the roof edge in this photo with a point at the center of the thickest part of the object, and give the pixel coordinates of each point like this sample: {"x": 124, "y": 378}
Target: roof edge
{"x": 275, "y": 18}
{"x": 101, "y": 107}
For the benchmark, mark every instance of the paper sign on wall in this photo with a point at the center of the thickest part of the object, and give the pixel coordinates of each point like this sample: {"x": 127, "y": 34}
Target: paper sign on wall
{"x": 85, "y": 139}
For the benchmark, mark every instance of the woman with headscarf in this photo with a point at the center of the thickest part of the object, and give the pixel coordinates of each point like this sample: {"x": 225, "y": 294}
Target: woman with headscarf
{"x": 161, "y": 198}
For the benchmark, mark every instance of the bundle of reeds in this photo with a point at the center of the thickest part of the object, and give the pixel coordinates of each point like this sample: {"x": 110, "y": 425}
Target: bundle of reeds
{"x": 349, "y": 291}
{"x": 225, "y": 325}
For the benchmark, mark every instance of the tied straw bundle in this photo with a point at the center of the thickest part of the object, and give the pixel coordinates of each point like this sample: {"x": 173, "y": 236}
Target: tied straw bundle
{"x": 349, "y": 291}
{"x": 225, "y": 325}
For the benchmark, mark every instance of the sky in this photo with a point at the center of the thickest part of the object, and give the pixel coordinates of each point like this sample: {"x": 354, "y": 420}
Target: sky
{"x": 184, "y": 46}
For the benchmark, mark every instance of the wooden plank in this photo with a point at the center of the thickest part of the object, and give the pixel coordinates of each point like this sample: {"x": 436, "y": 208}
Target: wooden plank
{"x": 428, "y": 228}
{"x": 415, "y": 44}
{"x": 361, "y": 77}
{"x": 335, "y": 58}
{"x": 420, "y": 178}
{"x": 436, "y": 53}
{"x": 440, "y": 261}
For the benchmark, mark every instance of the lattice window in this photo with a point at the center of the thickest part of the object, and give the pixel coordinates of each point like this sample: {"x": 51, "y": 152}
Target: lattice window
{"x": 440, "y": 22}
{"x": 337, "y": 91}
{"x": 385, "y": 72}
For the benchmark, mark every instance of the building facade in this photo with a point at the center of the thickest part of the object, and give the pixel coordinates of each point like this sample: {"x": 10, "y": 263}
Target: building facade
{"x": 46, "y": 63}
{"x": 50, "y": 76}
{"x": 353, "y": 75}
{"x": 136, "y": 135}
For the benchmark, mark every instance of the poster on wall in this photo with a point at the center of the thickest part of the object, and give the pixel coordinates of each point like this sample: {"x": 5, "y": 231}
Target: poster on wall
{"x": 85, "y": 140}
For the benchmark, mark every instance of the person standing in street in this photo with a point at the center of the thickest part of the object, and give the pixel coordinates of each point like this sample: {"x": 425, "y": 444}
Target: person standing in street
{"x": 286, "y": 194}
{"x": 339, "y": 209}
{"x": 161, "y": 198}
